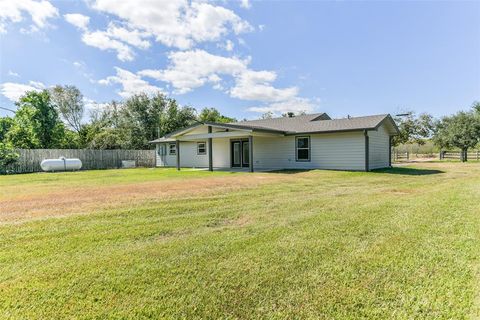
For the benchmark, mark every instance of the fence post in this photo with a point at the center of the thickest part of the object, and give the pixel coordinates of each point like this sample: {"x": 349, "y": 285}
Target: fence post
{"x": 408, "y": 156}
{"x": 478, "y": 155}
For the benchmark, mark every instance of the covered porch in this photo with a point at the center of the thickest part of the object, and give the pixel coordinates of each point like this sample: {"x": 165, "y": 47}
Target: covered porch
{"x": 216, "y": 147}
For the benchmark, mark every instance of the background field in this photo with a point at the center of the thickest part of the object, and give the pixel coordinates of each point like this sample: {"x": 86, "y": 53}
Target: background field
{"x": 155, "y": 243}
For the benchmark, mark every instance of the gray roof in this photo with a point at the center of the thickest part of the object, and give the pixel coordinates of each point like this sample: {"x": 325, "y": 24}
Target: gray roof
{"x": 312, "y": 123}
{"x": 309, "y": 123}
{"x": 163, "y": 139}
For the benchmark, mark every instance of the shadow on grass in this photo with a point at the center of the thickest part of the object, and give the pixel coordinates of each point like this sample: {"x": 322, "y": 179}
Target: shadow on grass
{"x": 408, "y": 171}
{"x": 287, "y": 171}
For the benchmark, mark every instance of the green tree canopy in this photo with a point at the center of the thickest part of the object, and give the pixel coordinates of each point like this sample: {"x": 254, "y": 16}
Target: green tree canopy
{"x": 413, "y": 129}
{"x": 135, "y": 122}
{"x": 462, "y": 131}
{"x": 130, "y": 124}
{"x": 7, "y": 156}
{"x": 267, "y": 115}
{"x": 213, "y": 115}
{"x": 68, "y": 101}
{"x": 5, "y": 124}
{"x": 36, "y": 123}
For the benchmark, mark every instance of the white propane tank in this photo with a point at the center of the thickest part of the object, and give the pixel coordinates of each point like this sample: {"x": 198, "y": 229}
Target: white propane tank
{"x": 61, "y": 164}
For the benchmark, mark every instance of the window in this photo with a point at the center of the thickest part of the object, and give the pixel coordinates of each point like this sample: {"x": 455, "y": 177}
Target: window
{"x": 162, "y": 149}
{"x": 201, "y": 148}
{"x": 302, "y": 145}
{"x": 172, "y": 149}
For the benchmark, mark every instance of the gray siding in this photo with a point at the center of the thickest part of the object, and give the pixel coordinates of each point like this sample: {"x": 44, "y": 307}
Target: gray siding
{"x": 338, "y": 151}
{"x": 378, "y": 149}
{"x": 342, "y": 151}
{"x": 190, "y": 158}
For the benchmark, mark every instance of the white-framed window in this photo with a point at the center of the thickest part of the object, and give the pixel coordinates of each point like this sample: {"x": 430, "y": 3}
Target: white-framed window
{"x": 201, "y": 148}
{"x": 172, "y": 149}
{"x": 162, "y": 149}
{"x": 302, "y": 148}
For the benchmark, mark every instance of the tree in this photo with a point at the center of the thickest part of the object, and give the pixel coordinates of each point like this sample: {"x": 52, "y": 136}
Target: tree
{"x": 140, "y": 119}
{"x": 267, "y": 115}
{"x": 213, "y": 115}
{"x": 175, "y": 117}
{"x": 36, "y": 123}
{"x": 5, "y": 125}
{"x": 108, "y": 138}
{"x": 476, "y": 107}
{"x": 103, "y": 130}
{"x": 461, "y": 130}
{"x": 292, "y": 114}
{"x": 413, "y": 129}
{"x": 8, "y": 156}
{"x": 135, "y": 122}
{"x": 68, "y": 101}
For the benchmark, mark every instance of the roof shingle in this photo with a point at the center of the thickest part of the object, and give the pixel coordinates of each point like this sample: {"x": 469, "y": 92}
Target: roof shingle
{"x": 309, "y": 124}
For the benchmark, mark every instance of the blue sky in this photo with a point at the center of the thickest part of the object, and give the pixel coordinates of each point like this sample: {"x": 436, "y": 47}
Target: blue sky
{"x": 245, "y": 58}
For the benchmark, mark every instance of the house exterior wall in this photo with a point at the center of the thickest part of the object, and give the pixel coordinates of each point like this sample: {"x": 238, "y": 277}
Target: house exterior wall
{"x": 165, "y": 160}
{"x": 379, "y": 148}
{"x": 190, "y": 158}
{"x": 339, "y": 151}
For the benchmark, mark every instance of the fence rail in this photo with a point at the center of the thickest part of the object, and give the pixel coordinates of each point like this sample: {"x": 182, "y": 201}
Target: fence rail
{"x": 400, "y": 156}
{"x": 30, "y": 159}
{"x": 457, "y": 155}
{"x": 442, "y": 155}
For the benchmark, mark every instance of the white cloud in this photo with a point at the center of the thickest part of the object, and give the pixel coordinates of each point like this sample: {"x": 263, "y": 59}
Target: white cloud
{"x": 292, "y": 105}
{"x": 92, "y": 105}
{"x": 131, "y": 83}
{"x": 12, "y": 11}
{"x": 82, "y": 69}
{"x": 79, "y": 64}
{"x": 188, "y": 70}
{"x": 245, "y": 4}
{"x": 13, "y": 91}
{"x": 256, "y": 85}
{"x": 116, "y": 38}
{"x": 228, "y": 45}
{"x": 176, "y": 23}
{"x": 132, "y": 37}
{"x": 13, "y": 74}
{"x": 192, "y": 69}
{"x": 78, "y": 20}
{"x": 102, "y": 41}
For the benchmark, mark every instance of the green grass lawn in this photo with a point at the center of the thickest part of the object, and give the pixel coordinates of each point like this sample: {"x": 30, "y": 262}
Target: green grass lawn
{"x": 395, "y": 244}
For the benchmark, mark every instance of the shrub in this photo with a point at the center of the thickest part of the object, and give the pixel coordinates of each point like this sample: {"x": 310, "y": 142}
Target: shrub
{"x": 8, "y": 156}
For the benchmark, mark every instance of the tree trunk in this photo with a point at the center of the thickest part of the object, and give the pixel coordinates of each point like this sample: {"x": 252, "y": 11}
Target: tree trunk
{"x": 464, "y": 155}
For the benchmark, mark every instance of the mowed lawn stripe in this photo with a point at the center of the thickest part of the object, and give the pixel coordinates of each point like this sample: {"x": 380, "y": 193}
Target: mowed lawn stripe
{"x": 321, "y": 245}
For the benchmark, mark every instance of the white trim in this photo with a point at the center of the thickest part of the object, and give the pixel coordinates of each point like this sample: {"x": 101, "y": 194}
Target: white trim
{"x": 204, "y": 148}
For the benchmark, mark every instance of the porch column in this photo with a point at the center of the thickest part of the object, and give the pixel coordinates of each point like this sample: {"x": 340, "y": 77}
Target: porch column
{"x": 367, "y": 151}
{"x": 390, "y": 151}
{"x": 177, "y": 143}
{"x": 210, "y": 151}
{"x": 250, "y": 150}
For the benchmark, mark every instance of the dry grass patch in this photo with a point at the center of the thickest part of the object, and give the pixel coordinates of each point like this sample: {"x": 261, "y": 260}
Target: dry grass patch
{"x": 86, "y": 199}
{"x": 396, "y": 244}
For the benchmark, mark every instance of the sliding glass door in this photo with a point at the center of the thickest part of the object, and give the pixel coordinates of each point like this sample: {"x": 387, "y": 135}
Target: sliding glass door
{"x": 240, "y": 151}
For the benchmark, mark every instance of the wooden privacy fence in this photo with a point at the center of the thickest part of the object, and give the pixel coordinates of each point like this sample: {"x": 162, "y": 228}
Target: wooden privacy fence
{"x": 457, "y": 155}
{"x": 30, "y": 159}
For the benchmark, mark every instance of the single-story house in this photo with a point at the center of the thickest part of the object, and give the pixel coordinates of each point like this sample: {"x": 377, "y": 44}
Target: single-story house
{"x": 313, "y": 141}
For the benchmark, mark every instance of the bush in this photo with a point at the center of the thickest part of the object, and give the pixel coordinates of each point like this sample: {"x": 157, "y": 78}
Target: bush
{"x": 8, "y": 156}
